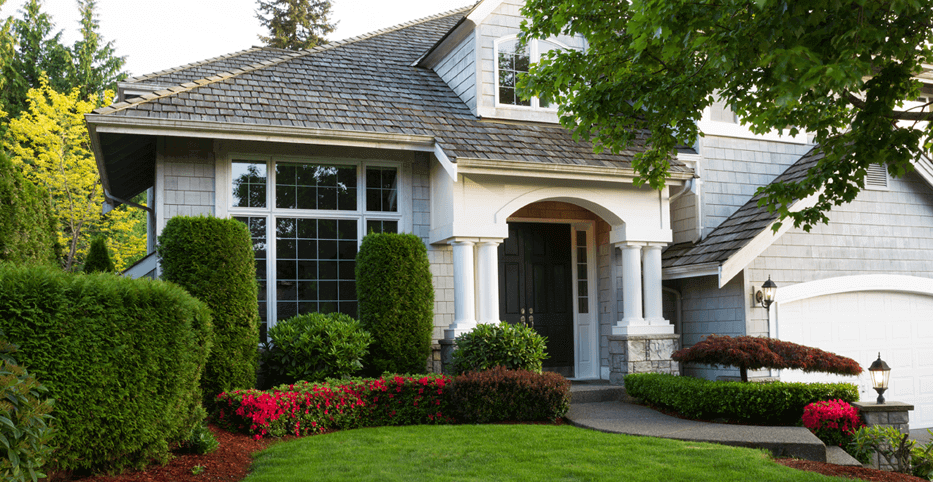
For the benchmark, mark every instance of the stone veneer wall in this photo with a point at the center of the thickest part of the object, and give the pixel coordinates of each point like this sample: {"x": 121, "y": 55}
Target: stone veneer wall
{"x": 642, "y": 354}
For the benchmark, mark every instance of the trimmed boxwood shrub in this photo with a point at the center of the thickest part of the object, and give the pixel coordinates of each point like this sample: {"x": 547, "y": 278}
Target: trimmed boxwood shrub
{"x": 487, "y": 346}
{"x": 24, "y": 403}
{"x": 775, "y": 403}
{"x": 28, "y": 230}
{"x": 121, "y": 357}
{"x": 313, "y": 347}
{"x": 396, "y": 301}
{"x": 501, "y": 394}
{"x": 98, "y": 258}
{"x": 213, "y": 260}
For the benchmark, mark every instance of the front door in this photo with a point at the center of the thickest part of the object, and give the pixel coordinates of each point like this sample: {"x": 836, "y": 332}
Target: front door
{"x": 535, "y": 287}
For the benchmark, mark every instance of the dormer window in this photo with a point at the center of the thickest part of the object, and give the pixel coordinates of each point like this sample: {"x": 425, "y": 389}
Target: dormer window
{"x": 512, "y": 60}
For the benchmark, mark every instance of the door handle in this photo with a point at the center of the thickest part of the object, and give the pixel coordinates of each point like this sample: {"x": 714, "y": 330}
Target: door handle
{"x": 523, "y": 319}
{"x": 531, "y": 311}
{"x": 523, "y": 311}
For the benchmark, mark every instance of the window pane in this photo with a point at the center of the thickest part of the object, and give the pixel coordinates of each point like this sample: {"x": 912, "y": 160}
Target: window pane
{"x": 257, "y": 230}
{"x": 381, "y": 226}
{"x": 249, "y": 184}
{"x": 512, "y": 61}
{"x": 315, "y": 186}
{"x": 321, "y": 277}
{"x": 382, "y": 189}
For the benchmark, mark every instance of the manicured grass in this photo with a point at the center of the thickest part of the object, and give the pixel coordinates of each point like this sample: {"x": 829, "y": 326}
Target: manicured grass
{"x": 507, "y": 453}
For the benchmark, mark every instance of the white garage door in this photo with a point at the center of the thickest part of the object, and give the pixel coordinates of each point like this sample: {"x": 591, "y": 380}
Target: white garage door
{"x": 859, "y": 325}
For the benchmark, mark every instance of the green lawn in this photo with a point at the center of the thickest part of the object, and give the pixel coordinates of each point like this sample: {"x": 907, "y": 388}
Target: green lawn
{"x": 507, "y": 453}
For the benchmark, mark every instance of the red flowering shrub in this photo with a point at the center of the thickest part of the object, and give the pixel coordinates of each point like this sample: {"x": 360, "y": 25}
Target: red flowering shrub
{"x": 501, "y": 394}
{"x": 834, "y": 421}
{"x": 753, "y": 353}
{"x": 306, "y": 408}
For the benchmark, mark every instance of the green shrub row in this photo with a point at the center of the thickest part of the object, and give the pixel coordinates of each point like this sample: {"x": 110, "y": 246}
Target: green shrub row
{"x": 304, "y": 408}
{"x": 122, "y": 358}
{"x": 517, "y": 347}
{"x": 314, "y": 347}
{"x": 775, "y": 403}
{"x": 28, "y": 229}
{"x": 396, "y": 301}
{"x": 501, "y": 394}
{"x": 213, "y": 260}
{"x": 24, "y": 428}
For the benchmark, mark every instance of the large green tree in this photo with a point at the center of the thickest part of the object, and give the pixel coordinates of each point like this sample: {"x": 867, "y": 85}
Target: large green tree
{"x": 295, "y": 24}
{"x": 839, "y": 70}
{"x": 95, "y": 66}
{"x": 38, "y": 53}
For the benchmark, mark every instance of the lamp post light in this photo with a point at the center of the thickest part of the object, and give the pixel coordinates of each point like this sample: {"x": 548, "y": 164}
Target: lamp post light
{"x": 765, "y": 296}
{"x": 880, "y": 375}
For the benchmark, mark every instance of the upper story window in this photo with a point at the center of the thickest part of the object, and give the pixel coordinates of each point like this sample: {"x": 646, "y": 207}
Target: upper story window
{"x": 513, "y": 60}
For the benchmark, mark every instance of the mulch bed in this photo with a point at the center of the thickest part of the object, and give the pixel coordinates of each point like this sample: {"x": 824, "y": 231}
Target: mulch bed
{"x": 231, "y": 462}
{"x": 848, "y": 472}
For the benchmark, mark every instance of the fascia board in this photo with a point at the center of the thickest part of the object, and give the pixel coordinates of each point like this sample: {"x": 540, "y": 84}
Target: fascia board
{"x": 738, "y": 261}
{"x": 924, "y": 168}
{"x": 253, "y": 132}
{"x": 483, "y": 10}
{"x": 560, "y": 171}
{"x": 446, "y": 163}
{"x": 692, "y": 271}
{"x": 98, "y": 155}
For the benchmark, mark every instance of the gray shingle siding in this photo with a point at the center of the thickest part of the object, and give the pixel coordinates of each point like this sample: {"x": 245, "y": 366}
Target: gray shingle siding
{"x": 733, "y": 169}
{"x": 458, "y": 69}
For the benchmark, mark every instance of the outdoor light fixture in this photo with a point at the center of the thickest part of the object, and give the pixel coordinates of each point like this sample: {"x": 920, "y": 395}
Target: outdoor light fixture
{"x": 880, "y": 374}
{"x": 765, "y": 296}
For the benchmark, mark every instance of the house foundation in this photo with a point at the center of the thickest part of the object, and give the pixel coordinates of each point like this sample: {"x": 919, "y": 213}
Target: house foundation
{"x": 642, "y": 354}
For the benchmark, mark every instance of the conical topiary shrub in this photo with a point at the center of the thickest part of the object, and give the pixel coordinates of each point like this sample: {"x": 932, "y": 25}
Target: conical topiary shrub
{"x": 98, "y": 258}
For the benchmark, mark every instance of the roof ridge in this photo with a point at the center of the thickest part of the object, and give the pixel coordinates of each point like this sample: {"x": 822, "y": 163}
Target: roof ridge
{"x": 139, "y": 78}
{"x": 169, "y": 91}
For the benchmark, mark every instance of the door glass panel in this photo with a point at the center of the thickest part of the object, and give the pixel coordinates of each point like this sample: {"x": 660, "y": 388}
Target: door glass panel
{"x": 583, "y": 305}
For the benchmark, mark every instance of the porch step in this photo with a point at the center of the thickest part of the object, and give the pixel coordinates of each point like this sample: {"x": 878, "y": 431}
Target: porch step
{"x": 595, "y": 392}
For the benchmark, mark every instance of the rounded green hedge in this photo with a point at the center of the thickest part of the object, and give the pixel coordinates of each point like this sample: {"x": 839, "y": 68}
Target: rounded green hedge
{"x": 516, "y": 347}
{"x": 213, "y": 260}
{"x": 28, "y": 229}
{"x": 774, "y": 403}
{"x": 314, "y": 347}
{"x": 122, "y": 358}
{"x": 396, "y": 301}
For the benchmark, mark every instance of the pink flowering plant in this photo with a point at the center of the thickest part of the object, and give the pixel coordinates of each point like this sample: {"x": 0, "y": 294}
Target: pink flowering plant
{"x": 306, "y": 408}
{"x": 833, "y": 421}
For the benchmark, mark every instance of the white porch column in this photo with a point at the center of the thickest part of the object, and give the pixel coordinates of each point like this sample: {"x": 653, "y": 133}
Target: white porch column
{"x": 487, "y": 276}
{"x": 464, "y": 299}
{"x": 631, "y": 284}
{"x": 652, "y": 282}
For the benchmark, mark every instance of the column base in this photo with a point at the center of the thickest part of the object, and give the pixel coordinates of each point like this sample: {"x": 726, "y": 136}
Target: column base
{"x": 447, "y": 349}
{"x": 641, "y": 326}
{"x": 457, "y": 329}
{"x": 642, "y": 353}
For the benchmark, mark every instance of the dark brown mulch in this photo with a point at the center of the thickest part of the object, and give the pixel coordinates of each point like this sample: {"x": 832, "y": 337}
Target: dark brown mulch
{"x": 229, "y": 462}
{"x": 848, "y": 472}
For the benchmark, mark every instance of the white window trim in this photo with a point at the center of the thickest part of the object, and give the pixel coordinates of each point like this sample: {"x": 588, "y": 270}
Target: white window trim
{"x": 534, "y": 57}
{"x": 270, "y": 213}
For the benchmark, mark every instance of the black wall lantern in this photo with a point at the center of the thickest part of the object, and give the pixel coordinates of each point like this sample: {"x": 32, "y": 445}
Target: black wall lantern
{"x": 880, "y": 374}
{"x": 765, "y": 296}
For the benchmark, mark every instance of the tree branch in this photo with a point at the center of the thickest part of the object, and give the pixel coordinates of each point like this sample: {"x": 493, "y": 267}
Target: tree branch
{"x": 893, "y": 115}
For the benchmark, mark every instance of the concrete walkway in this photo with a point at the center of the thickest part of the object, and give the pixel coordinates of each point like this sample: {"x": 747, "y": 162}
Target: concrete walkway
{"x": 598, "y": 406}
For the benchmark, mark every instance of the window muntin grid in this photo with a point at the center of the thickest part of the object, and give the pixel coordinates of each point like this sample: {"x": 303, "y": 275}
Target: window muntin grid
{"x": 315, "y": 187}
{"x": 249, "y": 184}
{"x": 583, "y": 304}
{"x": 382, "y": 189}
{"x": 257, "y": 230}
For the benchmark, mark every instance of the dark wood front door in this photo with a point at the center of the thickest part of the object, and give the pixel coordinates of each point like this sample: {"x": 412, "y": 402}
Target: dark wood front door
{"x": 535, "y": 287}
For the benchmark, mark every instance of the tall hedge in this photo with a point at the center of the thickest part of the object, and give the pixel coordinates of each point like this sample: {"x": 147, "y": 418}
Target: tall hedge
{"x": 213, "y": 259}
{"x": 122, "y": 359}
{"x": 27, "y": 224}
{"x": 396, "y": 301}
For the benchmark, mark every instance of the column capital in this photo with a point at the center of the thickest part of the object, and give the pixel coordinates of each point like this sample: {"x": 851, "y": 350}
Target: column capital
{"x": 629, "y": 244}
{"x": 488, "y": 241}
{"x": 462, "y": 241}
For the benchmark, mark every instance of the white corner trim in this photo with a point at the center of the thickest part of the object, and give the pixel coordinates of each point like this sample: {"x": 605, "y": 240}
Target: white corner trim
{"x": 738, "y": 261}
{"x": 445, "y": 161}
{"x": 483, "y": 10}
{"x": 846, "y": 284}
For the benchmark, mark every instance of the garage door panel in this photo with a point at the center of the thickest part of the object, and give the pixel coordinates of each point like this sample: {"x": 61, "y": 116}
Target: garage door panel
{"x": 859, "y": 325}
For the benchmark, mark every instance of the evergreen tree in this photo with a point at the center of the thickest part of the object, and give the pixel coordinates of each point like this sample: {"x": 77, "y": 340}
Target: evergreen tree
{"x": 98, "y": 258}
{"x": 295, "y": 24}
{"x": 38, "y": 53}
{"x": 95, "y": 67}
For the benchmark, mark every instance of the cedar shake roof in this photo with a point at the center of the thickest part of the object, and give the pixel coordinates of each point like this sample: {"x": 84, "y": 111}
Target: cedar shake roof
{"x": 365, "y": 84}
{"x": 739, "y": 229}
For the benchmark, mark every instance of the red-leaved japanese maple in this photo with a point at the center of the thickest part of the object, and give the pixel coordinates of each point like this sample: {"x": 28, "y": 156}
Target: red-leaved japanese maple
{"x": 753, "y": 353}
